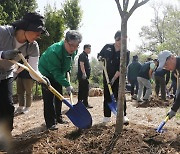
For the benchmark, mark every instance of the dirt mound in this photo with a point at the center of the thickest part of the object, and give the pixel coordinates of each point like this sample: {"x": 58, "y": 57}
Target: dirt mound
{"x": 99, "y": 139}
{"x": 30, "y": 134}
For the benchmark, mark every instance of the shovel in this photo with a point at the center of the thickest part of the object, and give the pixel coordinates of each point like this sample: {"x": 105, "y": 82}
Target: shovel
{"x": 159, "y": 129}
{"x": 113, "y": 104}
{"x": 78, "y": 114}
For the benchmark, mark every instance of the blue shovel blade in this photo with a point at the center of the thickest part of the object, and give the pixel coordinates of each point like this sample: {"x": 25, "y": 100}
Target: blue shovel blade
{"x": 113, "y": 105}
{"x": 80, "y": 116}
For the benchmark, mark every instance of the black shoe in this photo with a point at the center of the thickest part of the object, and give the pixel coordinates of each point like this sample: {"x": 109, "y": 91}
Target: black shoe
{"x": 61, "y": 121}
{"x": 89, "y": 107}
{"x": 53, "y": 127}
{"x": 145, "y": 100}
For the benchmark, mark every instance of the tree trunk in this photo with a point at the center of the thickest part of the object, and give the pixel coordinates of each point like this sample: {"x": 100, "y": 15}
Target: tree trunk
{"x": 121, "y": 93}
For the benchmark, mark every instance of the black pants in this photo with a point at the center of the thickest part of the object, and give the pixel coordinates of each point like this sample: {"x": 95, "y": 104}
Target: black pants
{"x": 83, "y": 91}
{"x": 160, "y": 84}
{"x": 52, "y": 104}
{"x": 107, "y": 98}
{"x": 6, "y": 103}
{"x": 134, "y": 85}
{"x": 173, "y": 86}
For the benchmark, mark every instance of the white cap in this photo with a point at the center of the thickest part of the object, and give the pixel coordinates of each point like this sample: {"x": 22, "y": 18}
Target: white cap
{"x": 162, "y": 57}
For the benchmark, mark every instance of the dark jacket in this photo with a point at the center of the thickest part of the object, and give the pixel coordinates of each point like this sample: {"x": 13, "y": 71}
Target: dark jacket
{"x": 112, "y": 58}
{"x": 176, "y": 104}
{"x": 83, "y": 57}
{"x": 162, "y": 73}
{"x": 144, "y": 71}
{"x": 133, "y": 70}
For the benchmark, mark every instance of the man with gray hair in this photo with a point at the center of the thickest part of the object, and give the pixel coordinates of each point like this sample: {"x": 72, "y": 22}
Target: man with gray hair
{"x": 54, "y": 63}
{"x": 169, "y": 62}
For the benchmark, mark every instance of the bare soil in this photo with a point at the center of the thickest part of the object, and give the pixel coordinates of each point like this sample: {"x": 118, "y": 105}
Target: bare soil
{"x": 139, "y": 137}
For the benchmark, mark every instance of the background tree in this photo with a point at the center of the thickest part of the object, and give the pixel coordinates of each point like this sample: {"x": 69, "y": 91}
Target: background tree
{"x": 55, "y": 26}
{"x": 12, "y": 10}
{"x": 72, "y": 14}
{"x": 125, "y": 14}
{"x": 163, "y": 33}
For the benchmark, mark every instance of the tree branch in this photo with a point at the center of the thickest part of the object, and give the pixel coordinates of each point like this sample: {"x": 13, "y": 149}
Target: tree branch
{"x": 136, "y": 5}
{"x": 119, "y": 7}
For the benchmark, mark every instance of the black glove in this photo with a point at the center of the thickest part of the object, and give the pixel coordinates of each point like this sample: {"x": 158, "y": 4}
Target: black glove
{"x": 9, "y": 54}
{"x": 171, "y": 113}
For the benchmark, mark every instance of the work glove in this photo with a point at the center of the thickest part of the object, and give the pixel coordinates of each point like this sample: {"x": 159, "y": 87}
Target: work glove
{"x": 171, "y": 113}
{"x": 69, "y": 89}
{"x": 112, "y": 81}
{"x": 151, "y": 81}
{"x": 100, "y": 58}
{"x": 84, "y": 76}
{"x": 9, "y": 54}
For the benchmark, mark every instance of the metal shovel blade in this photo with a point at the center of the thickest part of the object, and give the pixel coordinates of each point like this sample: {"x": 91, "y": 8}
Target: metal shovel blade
{"x": 160, "y": 127}
{"x": 113, "y": 105}
{"x": 80, "y": 116}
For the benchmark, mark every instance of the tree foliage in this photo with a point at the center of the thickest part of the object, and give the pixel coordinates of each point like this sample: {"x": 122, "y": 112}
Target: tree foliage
{"x": 163, "y": 33}
{"x": 72, "y": 14}
{"x": 55, "y": 26}
{"x": 12, "y": 10}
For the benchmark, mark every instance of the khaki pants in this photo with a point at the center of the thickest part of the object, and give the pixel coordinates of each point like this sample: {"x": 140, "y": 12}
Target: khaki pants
{"x": 24, "y": 86}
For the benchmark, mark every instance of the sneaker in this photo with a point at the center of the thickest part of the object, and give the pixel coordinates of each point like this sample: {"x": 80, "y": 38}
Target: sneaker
{"x": 134, "y": 97}
{"x": 144, "y": 104}
{"x": 145, "y": 100}
{"x": 89, "y": 107}
{"x": 106, "y": 119}
{"x": 26, "y": 110}
{"x": 125, "y": 120}
{"x": 53, "y": 127}
{"x": 139, "y": 100}
{"x": 19, "y": 110}
{"x": 61, "y": 121}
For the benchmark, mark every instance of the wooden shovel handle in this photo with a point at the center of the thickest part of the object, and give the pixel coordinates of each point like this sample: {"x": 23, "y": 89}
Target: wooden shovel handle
{"x": 40, "y": 79}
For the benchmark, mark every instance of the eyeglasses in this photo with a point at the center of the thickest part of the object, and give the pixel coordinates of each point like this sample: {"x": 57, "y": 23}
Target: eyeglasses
{"x": 73, "y": 45}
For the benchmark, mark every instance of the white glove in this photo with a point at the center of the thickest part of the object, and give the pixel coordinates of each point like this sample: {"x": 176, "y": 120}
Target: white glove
{"x": 84, "y": 76}
{"x": 100, "y": 58}
{"x": 69, "y": 90}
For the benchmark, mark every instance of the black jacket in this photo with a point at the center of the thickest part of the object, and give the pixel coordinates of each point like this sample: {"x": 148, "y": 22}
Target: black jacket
{"x": 112, "y": 58}
{"x": 176, "y": 104}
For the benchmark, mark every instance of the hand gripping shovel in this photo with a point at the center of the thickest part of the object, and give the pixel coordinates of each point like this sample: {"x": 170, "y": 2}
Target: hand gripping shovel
{"x": 77, "y": 113}
{"x": 71, "y": 95}
{"x": 159, "y": 129}
{"x": 113, "y": 104}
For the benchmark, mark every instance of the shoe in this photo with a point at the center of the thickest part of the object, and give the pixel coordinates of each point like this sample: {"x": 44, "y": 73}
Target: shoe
{"x": 89, "y": 107}
{"x": 139, "y": 100}
{"x": 125, "y": 120}
{"x": 106, "y": 119}
{"x": 145, "y": 100}
{"x": 61, "y": 121}
{"x": 19, "y": 110}
{"x": 143, "y": 104}
{"x": 134, "y": 97}
{"x": 53, "y": 127}
{"x": 26, "y": 110}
